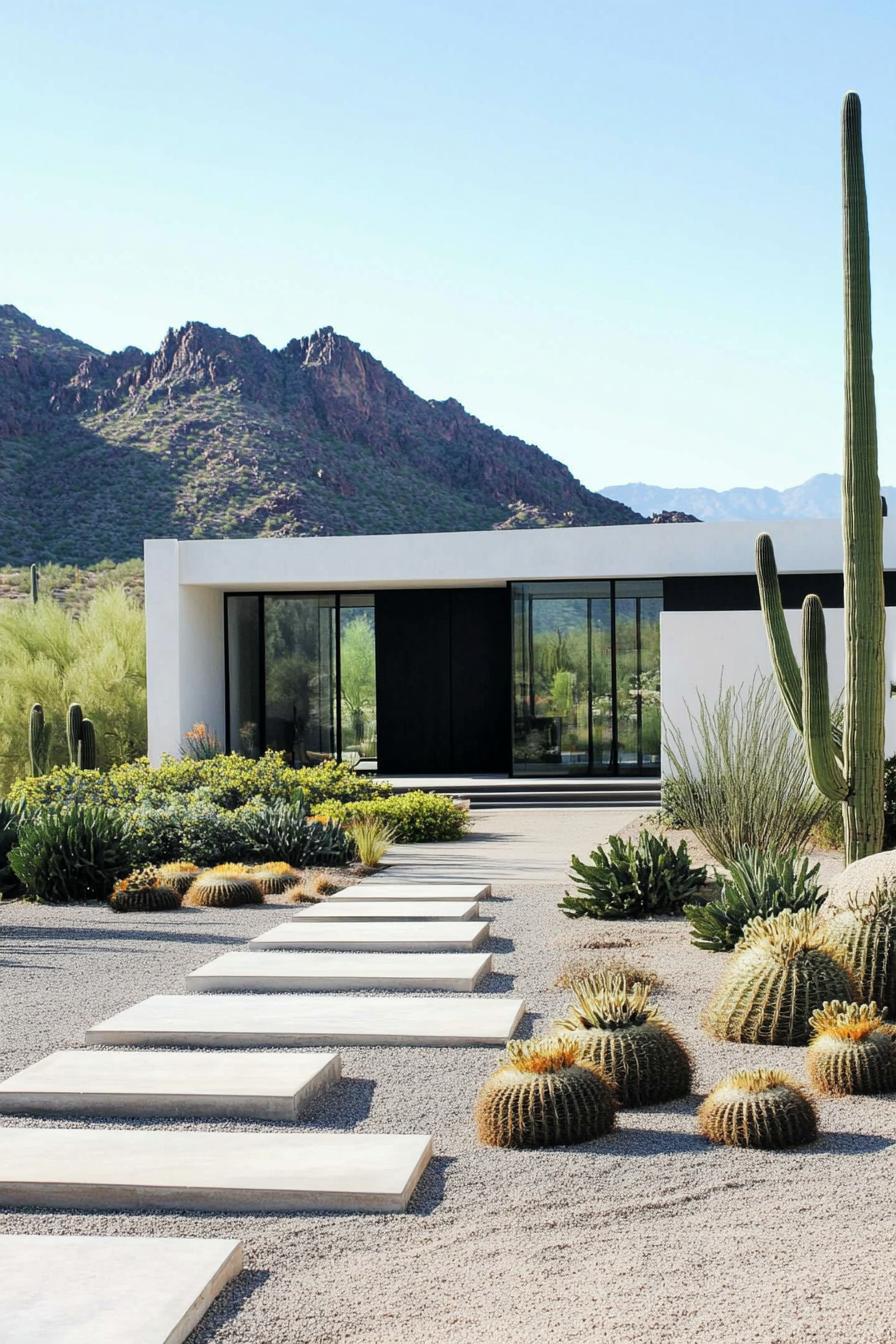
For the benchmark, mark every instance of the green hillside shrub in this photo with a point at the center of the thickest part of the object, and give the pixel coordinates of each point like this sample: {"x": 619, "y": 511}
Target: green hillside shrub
{"x": 413, "y": 817}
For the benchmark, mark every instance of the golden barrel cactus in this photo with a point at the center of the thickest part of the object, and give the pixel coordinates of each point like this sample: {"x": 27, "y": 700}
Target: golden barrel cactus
{"x": 866, "y": 931}
{"x": 275, "y": 878}
{"x": 141, "y": 891}
{"x": 621, "y": 1032}
{"x": 179, "y": 875}
{"x": 784, "y": 968}
{"x": 852, "y": 1049}
{"x": 542, "y": 1095}
{"x": 758, "y": 1108}
{"x": 225, "y": 886}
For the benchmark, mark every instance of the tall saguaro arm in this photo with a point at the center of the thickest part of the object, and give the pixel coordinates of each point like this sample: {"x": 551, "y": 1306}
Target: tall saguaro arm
{"x": 824, "y": 763}
{"x": 786, "y": 668}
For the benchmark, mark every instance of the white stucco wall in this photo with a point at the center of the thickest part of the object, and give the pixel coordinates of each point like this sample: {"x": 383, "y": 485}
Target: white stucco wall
{"x": 701, "y": 650}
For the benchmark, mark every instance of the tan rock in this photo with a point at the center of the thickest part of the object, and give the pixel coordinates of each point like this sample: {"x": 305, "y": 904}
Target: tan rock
{"x": 861, "y": 879}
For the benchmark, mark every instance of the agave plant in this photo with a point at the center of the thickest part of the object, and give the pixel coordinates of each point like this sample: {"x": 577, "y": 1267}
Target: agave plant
{"x": 759, "y": 883}
{"x": 628, "y": 880}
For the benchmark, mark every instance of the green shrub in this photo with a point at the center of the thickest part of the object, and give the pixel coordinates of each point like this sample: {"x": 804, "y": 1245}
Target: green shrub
{"x": 742, "y": 780}
{"x": 414, "y": 816}
{"x": 283, "y": 831}
{"x": 760, "y": 883}
{"x": 71, "y": 853}
{"x": 627, "y": 880}
{"x": 10, "y": 820}
{"x": 191, "y": 827}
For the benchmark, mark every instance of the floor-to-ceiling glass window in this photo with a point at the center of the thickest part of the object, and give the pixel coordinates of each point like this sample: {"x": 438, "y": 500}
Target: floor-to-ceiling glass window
{"x": 586, "y": 677}
{"x": 301, "y": 676}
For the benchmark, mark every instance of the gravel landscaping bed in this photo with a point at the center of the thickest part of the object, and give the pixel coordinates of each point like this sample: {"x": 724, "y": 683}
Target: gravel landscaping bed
{"x": 648, "y": 1236}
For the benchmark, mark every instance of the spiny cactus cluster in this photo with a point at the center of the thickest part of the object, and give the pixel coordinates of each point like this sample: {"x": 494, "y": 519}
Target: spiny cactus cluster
{"x": 621, "y": 1032}
{"x": 852, "y": 1050}
{"x": 143, "y": 890}
{"x": 226, "y": 885}
{"x": 543, "y": 1094}
{"x": 866, "y": 932}
{"x": 784, "y": 968}
{"x": 179, "y": 875}
{"x": 275, "y": 878}
{"x": 758, "y": 1108}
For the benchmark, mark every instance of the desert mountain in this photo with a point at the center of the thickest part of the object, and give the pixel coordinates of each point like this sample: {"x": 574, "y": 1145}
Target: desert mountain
{"x": 819, "y": 497}
{"x": 214, "y": 435}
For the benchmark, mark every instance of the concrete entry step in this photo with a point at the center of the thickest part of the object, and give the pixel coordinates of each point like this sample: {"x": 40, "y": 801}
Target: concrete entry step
{"x": 384, "y": 936}
{"x": 88, "y": 1290}
{"x": 194, "y": 1169}
{"x": 262, "y": 1085}
{"x": 332, "y": 910}
{"x": 372, "y": 889}
{"x": 310, "y": 1019}
{"x": 236, "y": 971}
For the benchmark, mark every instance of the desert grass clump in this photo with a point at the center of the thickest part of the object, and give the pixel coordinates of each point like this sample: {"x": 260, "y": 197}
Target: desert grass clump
{"x": 143, "y": 890}
{"x": 543, "y": 1094}
{"x": 737, "y": 776}
{"x": 784, "y": 968}
{"x": 852, "y": 1050}
{"x": 621, "y": 1032}
{"x": 275, "y": 878}
{"x": 179, "y": 875}
{"x": 758, "y": 1108}
{"x": 584, "y": 967}
{"x": 300, "y": 894}
{"x": 866, "y": 931}
{"x": 373, "y": 837}
{"x": 225, "y": 886}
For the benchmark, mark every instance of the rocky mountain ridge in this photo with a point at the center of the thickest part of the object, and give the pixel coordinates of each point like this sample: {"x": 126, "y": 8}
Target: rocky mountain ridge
{"x": 818, "y": 497}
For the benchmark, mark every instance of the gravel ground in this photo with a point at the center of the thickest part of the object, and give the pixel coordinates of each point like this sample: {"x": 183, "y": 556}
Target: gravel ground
{"x": 648, "y": 1236}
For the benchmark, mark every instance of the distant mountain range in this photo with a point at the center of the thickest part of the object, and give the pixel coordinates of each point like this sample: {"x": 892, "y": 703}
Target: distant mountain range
{"x": 214, "y": 435}
{"x": 819, "y": 497}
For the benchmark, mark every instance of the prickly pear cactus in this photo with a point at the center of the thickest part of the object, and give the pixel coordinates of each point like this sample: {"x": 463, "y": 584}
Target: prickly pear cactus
{"x": 543, "y": 1094}
{"x": 784, "y": 968}
{"x": 621, "y": 1032}
{"x": 143, "y": 890}
{"x": 866, "y": 932}
{"x": 275, "y": 878}
{"x": 226, "y": 885}
{"x": 852, "y": 1050}
{"x": 758, "y": 1108}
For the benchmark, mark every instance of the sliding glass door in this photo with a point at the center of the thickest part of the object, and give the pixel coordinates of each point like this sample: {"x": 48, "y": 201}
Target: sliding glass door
{"x": 586, "y": 677}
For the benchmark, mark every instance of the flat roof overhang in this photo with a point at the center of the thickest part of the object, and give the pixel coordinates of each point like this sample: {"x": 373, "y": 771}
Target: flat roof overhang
{"x": 492, "y": 559}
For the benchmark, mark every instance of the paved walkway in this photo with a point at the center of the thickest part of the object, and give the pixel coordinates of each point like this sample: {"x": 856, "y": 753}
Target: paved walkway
{"x": 512, "y": 845}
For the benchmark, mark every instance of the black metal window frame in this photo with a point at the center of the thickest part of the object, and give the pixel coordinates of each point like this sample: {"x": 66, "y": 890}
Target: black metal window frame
{"x": 612, "y": 769}
{"x": 260, "y": 595}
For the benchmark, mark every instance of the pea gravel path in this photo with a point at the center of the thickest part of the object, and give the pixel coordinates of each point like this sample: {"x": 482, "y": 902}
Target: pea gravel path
{"x": 646, "y": 1237}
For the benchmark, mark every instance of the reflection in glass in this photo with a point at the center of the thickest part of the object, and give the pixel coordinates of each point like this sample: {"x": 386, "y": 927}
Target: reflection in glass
{"x": 357, "y": 678}
{"x": 300, "y": 677}
{"x": 586, "y": 677}
{"x": 244, "y": 679}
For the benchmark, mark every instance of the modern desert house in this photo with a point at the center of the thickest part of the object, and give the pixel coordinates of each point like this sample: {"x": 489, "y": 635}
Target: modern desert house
{"x": 540, "y": 653}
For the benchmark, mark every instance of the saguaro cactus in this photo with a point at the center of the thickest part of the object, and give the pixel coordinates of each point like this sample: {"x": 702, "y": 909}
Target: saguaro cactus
{"x": 847, "y": 766}
{"x": 73, "y": 720}
{"x": 34, "y": 579}
{"x": 38, "y": 740}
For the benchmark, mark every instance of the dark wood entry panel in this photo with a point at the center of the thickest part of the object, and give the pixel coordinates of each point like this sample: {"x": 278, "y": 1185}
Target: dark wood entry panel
{"x": 443, "y": 680}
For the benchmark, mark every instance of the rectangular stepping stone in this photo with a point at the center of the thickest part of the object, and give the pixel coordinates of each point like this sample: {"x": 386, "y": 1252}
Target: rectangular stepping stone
{"x": 310, "y": 1019}
{"x": 263, "y": 1085}
{"x": 341, "y": 970}
{"x": 371, "y": 889}
{"x": 385, "y": 936}
{"x": 332, "y": 910}
{"x": 193, "y": 1169}
{"x": 93, "y": 1290}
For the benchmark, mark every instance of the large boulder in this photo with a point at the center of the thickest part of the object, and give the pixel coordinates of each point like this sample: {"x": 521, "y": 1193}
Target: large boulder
{"x": 861, "y": 879}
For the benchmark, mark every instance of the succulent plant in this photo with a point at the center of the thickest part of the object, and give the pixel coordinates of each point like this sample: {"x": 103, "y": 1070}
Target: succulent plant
{"x": 621, "y": 1032}
{"x": 853, "y": 1050}
{"x": 760, "y": 882}
{"x": 226, "y": 885}
{"x": 38, "y": 740}
{"x": 543, "y": 1094}
{"x": 632, "y": 879}
{"x": 143, "y": 890}
{"x": 758, "y": 1108}
{"x": 847, "y": 765}
{"x": 87, "y": 746}
{"x": 866, "y": 932}
{"x": 179, "y": 875}
{"x": 275, "y": 878}
{"x": 784, "y": 968}
{"x": 73, "y": 720}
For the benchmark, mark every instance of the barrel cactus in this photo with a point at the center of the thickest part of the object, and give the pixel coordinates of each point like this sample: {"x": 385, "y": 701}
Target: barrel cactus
{"x": 179, "y": 875}
{"x": 784, "y": 968}
{"x": 226, "y": 885}
{"x": 143, "y": 890}
{"x": 543, "y": 1094}
{"x": 758, "y": 1108}
{"x": 275, "y": 878}
{"x": 866, "y": 932}
{"x": 852, "y": 1050}
{"x": 621, "y": 1032}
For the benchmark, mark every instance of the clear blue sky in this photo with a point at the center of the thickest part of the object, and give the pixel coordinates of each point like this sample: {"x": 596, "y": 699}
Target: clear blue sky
{"x": 611, "y": 227}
